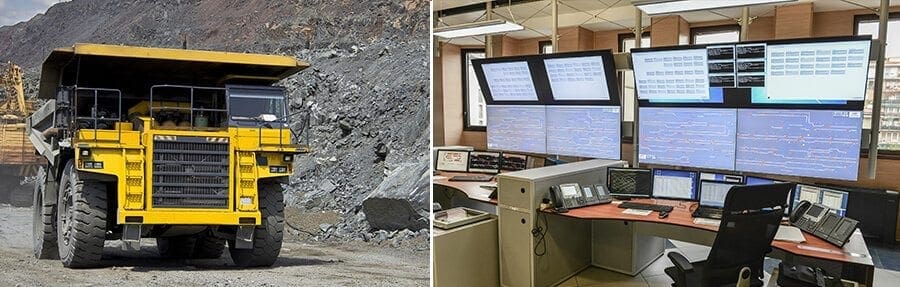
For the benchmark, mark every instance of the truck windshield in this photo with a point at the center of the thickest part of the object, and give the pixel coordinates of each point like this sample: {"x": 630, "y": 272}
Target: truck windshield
{"x": 252, "y": 107}
{"x": 246, "y": 104}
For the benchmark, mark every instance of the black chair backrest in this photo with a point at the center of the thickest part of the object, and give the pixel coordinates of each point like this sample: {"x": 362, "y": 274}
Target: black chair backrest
{"x": 750, "y": 219}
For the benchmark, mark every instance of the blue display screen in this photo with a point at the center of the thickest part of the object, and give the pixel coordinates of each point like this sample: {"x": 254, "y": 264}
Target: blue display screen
{"x": 811, "y": 143}
{"x": 678, "y": 184}
{"x": 834, "y": 199}
{"x": 758, "y": 96}
{"x": 696, "y": 137}
{"x": 585, "y": 131}
{"x": 517, "y": 128}
{"x": 752, "y": 180}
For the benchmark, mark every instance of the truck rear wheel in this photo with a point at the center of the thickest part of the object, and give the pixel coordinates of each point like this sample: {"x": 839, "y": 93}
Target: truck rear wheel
{"x": 191, "y": 247}
{"x": 180, "y": 247}
{"x": 209, "y": 247}
{"x": 81, "y": 220}
{"x": 267, "y": 237}
{"x": 43, "y": 221}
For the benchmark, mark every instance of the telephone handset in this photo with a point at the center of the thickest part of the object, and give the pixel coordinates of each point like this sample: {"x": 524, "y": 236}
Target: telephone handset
{"x": 567, "y": 195}
{"x": 817, "y": 219}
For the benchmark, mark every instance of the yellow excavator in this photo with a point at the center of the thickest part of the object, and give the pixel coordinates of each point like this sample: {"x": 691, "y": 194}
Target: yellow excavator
{"x": 17, "y": 155}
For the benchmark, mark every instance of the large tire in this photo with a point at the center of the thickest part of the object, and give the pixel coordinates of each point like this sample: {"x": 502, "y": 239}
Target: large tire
{"x": 179, "y": 247}
{"x": 81, "y": 220}
{"x": 43, "y": 221}
{"x": 267, "y": 237}
{"x": 209, "y": 247}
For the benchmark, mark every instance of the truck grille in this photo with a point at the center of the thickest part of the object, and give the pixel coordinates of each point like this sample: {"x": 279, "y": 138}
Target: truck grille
{"x": 190, "y": 172}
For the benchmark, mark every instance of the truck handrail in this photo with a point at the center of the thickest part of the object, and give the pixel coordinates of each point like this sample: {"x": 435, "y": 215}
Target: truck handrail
{"x": 94, "y": 111}
{"x": 191, "y": 109}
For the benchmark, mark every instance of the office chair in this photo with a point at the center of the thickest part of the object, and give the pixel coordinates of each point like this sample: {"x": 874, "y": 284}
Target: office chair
{"x": 749, "y": 222}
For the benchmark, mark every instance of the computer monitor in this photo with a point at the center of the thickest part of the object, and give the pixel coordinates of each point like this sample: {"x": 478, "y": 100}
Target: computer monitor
{"x": 578, "y": 78}
{"x": 519, "y": 128}
{"x": 509, "y": 81}
{"x": 752, "y": 180}
{"x": 713, "y": 193}
{"x": 629, "y": 182}
{"x": 584, "y": 131}
{"x": 484, "y": 161}
{"x": 835, "y": 199}
{"x": 690, "y": 137}
{"x": 810, "y": 143}
{"x": 675, "y": 184}
{"x": 452, "y": 160}
{"x": 734, "y": 178}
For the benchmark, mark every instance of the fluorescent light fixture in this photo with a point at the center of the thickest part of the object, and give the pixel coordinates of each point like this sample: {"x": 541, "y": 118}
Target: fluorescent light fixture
{"x": 655, "y": 7}
{"x": 477, "y": 28}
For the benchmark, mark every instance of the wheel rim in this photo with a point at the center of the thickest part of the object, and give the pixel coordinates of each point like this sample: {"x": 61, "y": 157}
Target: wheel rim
{"x": 65, "y": 219}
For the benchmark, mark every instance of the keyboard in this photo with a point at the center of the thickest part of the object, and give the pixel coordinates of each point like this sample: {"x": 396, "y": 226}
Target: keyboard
{"x": 708, "y": 212}
{"x": 646, "y": 206}
{"x": 480, "y": 178}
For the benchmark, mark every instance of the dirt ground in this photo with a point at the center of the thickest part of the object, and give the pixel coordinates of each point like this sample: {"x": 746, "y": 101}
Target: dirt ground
{"x": 300, "y": 264}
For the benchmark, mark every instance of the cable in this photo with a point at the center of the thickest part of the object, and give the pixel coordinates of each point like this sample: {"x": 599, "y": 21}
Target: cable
{"x": 541, "y": 232}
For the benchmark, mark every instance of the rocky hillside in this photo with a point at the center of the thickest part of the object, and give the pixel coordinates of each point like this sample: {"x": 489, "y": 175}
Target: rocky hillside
{"x": 366, "y": 92}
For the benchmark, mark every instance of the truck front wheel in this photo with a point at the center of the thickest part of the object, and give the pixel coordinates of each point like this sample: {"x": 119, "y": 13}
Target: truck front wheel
{"x": 81, "y": 220}
{"x": 267, "y": 237}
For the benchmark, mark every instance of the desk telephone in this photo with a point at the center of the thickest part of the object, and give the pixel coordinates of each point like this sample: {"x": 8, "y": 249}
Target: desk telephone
{"x": 573, "y": 195}
{"x": 816, "y": 219}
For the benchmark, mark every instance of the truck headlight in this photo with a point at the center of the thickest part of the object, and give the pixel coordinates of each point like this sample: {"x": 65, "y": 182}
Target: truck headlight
{"x": 93, "y": 164}
{"x": 277, "y": 169}
{"x": 288, "y": 158}
{"x": 85, "y": 152}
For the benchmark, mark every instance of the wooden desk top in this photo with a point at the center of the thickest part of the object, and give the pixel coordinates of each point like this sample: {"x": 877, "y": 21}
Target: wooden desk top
{"x": 472, "y": 189}
{"x": 854, "y": 251}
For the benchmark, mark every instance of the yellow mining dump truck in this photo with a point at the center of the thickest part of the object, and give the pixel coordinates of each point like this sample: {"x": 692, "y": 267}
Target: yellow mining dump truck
{"x": 17, "y": 157}
{"x": 189, "y": 147}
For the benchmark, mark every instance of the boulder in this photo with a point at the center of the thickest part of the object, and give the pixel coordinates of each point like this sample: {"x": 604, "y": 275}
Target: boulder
{"x": 401, "y": 200}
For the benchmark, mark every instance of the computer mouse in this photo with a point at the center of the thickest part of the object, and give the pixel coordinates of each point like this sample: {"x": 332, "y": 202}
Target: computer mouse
{"x": 663, "y": 214}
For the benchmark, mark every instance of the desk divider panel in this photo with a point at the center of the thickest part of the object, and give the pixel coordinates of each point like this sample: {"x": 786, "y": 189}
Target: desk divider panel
{"x": 568, "y": 240}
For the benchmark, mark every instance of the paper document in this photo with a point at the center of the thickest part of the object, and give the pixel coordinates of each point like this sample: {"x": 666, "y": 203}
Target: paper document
{"x": 790, "y": 234}
{"x": 438, "y": 177}
{"x": 706, "y": 221}
{"x": 637, "y": 212}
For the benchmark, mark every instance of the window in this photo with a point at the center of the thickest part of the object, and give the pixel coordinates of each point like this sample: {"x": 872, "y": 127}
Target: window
{"x": 889, "y": 136}
{"x": 474, "y": 115}
{"x": 716, "y": 34}
{"x": 626, "y": 42}
{"x": 545, "y": 47}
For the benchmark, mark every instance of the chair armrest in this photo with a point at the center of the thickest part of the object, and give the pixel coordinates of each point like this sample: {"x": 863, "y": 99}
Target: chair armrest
{"x": 682, "y": 263}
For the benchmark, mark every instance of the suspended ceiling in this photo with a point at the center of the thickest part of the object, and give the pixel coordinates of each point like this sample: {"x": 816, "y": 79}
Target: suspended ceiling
{"x": 602, "y": 15}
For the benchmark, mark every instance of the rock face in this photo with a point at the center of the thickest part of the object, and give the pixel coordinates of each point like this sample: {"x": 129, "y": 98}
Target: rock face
{"x": 401, "y": 200}
{"x": 365, "y": 97}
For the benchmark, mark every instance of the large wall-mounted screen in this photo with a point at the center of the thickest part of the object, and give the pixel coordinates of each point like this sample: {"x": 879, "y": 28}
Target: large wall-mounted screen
{"x": 510, "y": 81}
{"x": 585, "y": 131}
{"x": 577, "y": 78}
{"x": 811, "y": 143}
{"x": 695, "y": 137}
{"x": 517, "y": 128}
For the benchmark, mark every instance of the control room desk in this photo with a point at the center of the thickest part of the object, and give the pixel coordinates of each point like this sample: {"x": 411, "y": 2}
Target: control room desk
{"x": 463, "y": 193}
{"x": 853, "y": 260}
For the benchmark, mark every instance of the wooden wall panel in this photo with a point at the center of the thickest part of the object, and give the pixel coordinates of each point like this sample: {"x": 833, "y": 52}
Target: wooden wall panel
{"x": 607, "y": 40}
{"x": 437, "y": 98}
{"x": 794, "y": 21}
{"x": 665, "y": 30}
{"x": 451, "y": 91}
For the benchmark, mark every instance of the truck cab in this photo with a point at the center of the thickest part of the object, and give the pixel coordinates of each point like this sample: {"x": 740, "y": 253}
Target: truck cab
{"x": 189, "y": 147}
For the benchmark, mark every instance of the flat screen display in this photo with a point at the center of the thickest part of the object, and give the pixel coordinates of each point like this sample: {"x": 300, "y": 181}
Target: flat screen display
{"x": 811, "y": 143}
{"x": 517, "y": 128}
{"x": 584, "y": 131}
{"x": 510, "y": 81}
{"x": 695, "y": 137}
{"x": 577, "y": 78}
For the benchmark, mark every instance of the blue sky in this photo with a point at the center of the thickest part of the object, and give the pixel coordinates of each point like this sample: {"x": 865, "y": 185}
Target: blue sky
{"x": 15, "y": 11}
